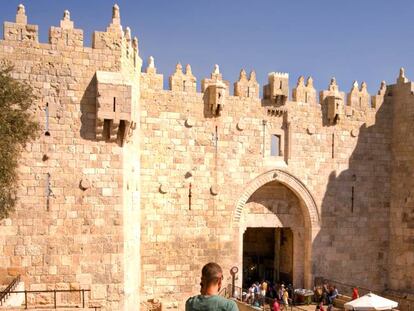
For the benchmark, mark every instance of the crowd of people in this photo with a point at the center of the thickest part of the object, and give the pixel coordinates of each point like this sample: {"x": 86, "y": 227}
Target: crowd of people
{"x": 260, "y": 293}
{"x": 325, "y": 294}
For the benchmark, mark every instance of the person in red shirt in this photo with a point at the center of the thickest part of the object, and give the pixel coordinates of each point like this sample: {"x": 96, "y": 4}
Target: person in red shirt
{"x": 276, "y": 305}
{"x": 355, "y": 293}
{"x": 319, "y": 307}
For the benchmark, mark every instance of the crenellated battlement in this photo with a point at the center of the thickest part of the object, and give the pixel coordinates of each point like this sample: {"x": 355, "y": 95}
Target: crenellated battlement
{"x": 66, "y": 34}
{"x": 336, "y": 105}
{"x": 123, "y": 48}
{"x": 150, "y": 79}
{"x": 66, "y": 37}
{"x": 246, "y": 87}
{"x": 183, "y": 82}
{"x": 305, "y": 93}
{"x": 20, "y": 30}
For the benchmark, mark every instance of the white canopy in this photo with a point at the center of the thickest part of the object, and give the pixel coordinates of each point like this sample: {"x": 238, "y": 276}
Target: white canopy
{"x": 371, "y": 302}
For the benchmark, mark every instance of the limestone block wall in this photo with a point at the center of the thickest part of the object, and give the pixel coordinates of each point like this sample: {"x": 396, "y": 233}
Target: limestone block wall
{"x": 187, "y": 150}
{"x": 136, "y": 216}
{"x": 75, "y": 225}
{"x": 401, "y": 253}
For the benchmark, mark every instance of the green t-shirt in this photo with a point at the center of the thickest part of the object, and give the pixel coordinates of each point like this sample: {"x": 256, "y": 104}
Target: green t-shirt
{"x": 210, "y": 303}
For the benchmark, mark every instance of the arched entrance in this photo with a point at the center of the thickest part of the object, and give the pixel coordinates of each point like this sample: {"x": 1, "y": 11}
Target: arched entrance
{"x": 280, "y": 202}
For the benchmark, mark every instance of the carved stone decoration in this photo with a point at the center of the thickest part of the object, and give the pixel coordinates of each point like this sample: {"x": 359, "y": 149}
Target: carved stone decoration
{"x": 21, "y": 17}
{"x": 311, "y": 129}
{"x": 355, "y": 132}
{"x": 214, "y": 190}
{"x": 85, "y": 184}
{"x": 241, "y": 125}
{"x": 190, "y": 122}
{"x": 163, "y": 188}
{"x": 151, "y": 65}
{"x": 401, "y": 77}
{"x": 189, "y": 174}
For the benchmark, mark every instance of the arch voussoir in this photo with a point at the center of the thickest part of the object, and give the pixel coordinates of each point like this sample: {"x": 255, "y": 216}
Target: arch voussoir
{"x": 288, "y": 180}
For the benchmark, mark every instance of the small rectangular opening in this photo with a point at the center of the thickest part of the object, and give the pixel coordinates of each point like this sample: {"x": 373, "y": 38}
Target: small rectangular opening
{"x": 114, "y": 104}
{"x": 275, "y": 145}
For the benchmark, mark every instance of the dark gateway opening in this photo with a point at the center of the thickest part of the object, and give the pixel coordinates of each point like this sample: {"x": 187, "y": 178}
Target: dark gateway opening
{"x": 267, "y": 255}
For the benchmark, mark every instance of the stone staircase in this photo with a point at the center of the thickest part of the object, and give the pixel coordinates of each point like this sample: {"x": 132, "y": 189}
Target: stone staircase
{"x": 11, "y": 300}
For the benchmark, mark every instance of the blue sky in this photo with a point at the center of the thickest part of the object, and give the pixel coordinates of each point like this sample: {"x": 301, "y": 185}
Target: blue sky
{"x": 364, "y": 40}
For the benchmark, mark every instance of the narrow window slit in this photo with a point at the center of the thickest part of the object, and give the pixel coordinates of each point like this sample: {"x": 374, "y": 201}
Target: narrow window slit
{"x": 47, "y": 133}
{"x": 189, "y": 197}
{"x": 352, "y": 199}
{"x": 49, "y": 192}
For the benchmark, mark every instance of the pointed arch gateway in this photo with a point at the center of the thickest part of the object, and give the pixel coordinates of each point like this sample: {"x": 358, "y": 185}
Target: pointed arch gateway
{"x": 308, "y": 207}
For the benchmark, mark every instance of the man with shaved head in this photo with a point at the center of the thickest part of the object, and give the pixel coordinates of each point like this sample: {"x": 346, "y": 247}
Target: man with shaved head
{"x": 209, "y": 300}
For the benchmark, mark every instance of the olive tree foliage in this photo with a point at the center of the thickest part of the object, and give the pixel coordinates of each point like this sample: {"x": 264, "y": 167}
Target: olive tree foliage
{"x": 17, "y": 128}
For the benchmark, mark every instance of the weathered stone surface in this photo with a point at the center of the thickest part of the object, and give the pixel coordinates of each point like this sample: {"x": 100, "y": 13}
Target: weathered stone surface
{"x": 136, "y": 218}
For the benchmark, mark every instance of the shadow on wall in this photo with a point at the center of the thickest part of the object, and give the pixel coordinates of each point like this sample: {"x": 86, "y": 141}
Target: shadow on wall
{"x": 88, "y": 112}
{"x": 207, "y": 109}
{"x": 352, "y": 244}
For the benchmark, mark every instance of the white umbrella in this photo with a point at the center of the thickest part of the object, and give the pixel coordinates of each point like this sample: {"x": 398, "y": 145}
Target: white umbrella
{"x": 371, "y": 302}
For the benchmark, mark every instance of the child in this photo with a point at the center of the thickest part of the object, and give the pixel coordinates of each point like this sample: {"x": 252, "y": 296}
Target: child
{"x": 285, "y": 297}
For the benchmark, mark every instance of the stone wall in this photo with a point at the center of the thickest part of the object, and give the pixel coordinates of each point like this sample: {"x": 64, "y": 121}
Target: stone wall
{"x": 131, "y": 188}
{"x": 75, "y": 225}
{"x": 401, "y": 253}
{"x": 188, "y": 143}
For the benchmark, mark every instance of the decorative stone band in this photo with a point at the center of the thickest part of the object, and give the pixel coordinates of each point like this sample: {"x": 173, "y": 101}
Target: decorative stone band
{"x": 294, "y": 184}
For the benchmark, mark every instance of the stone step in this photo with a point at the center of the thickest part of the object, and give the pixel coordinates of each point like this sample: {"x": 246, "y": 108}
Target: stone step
{"x": 15, "y": 300}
